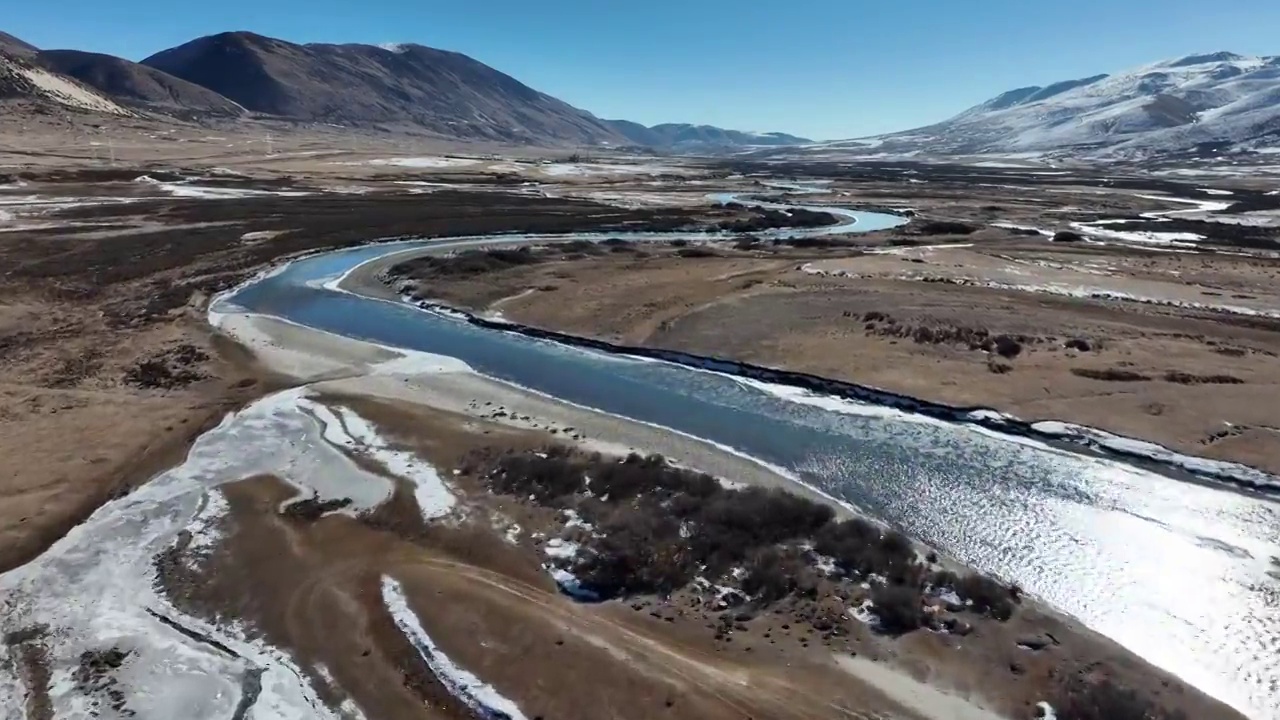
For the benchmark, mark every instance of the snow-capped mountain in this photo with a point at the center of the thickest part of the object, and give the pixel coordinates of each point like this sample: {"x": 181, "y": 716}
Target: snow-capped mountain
{"x": 1199, "y": 102}
{"x": 700, "y": 137}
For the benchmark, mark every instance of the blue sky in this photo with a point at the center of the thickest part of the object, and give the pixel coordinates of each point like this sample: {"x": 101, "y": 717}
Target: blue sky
{"x": 821, "y": 68}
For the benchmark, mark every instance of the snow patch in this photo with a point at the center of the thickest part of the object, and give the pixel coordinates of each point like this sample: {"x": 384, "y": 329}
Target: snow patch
{"x": 571, "y": 586}
{"x": 184, "y": 190}
{"x": 481, "y": 698}
{"x": 558, "y": 549}
{"x": 95, "y": 586}
{"x": 421, "y": 162}
{"x": 64, "y": 91}
{"x": 513, "y": 534}
{"x": 865, "y": 613}
{"x": 1014, "y": 226}
{"x": 1220, "y": 469}
{"x": 595, "y": 169}
{"x": 574, "y": 520}
{"x": 346, "y": 429}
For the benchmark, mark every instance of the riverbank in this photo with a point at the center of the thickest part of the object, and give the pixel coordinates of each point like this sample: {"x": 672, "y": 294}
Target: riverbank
{"x": 144, "y": 333}
{"x": 108, "y": 370}
{"x": 415, "y": 384}
{"x": 1188, "y": 378}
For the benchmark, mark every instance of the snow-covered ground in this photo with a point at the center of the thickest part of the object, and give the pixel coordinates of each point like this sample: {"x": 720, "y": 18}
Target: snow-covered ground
{"x": 562, "y": 169}
{"x": 421, "y": 162}
{"x": 481, "y": 698}
{"x": 1160, "y": 107}
{"x": 1142, "y": 237}
{"x": 1015, "y": 226}
{"x": 1202, "y": 466}
{"x": 189, "y": 189}
{"x": 95, "y": 588}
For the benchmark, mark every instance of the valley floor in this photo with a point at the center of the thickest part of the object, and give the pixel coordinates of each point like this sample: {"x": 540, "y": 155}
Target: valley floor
{"x": 1176, "y": 348}
{"x": 326, "y": 550}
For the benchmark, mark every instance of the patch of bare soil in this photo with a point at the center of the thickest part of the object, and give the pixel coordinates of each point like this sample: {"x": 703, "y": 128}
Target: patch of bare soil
{"x": 29, "y": 660}
{"x": 312, "y": 586}
{"x": 108, "y": 369}
{"x": 1180, "y": 368}
{"x": 309, "y": 583}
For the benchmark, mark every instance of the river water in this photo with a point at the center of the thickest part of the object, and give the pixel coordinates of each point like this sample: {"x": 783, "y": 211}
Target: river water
{"x": 1184, "y": 574}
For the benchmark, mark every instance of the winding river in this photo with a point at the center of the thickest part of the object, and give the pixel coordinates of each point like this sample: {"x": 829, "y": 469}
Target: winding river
{"x": 1183, "y": 573}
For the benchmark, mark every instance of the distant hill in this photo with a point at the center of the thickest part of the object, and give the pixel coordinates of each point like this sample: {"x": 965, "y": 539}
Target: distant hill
{"x": 394, "y": 88}
{"x": 16, "y": 47}
{"x": 34, "y": 88}
{"x": 134, "y": 84}
{"x": 403, "y": 85}
{"x": 683, "y": 135}
{"x": 1199, "y": 103}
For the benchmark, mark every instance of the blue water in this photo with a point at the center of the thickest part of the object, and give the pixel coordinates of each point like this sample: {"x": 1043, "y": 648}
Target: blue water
{"x": 1179, "y": 572}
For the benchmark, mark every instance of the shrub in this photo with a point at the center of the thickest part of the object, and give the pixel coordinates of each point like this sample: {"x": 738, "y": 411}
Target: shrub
{"x": 661, "y": 526}
{"x": 1079, "y": 344}
{"x": 471, "y": 262}
{"x": 697, "y": 252}
{"x": 860, "y": 548}
{"x": 944, "y": 227}
{"x": 1110, "y": 374}
{"x": 1006, "y": 347}
{"x": 585, "y": 247}
{"x": 640, "y": 553}
{"x": 728, "y": 525}
{"x": 771, "y": 575}
{"x": 987, "y": 595}
{"x": 811, "y": 243}
{"x": 1183, "y": 378}
{"x": 659, "y": 522}
{"x": 1084, "y": 699}
{"x": 900, "y": 608}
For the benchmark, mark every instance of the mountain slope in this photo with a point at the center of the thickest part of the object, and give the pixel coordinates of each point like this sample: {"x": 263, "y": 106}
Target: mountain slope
{"x": 1173, "y": 106}
{"x": 133, "y": 84}
{"x": 404, "y": 85}
{"x": 22, "y": 81}
{"x": 684, "y": 135}
{"x": 16, "y": 47}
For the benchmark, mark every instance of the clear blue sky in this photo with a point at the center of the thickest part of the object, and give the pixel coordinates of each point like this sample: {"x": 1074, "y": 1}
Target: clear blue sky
{"x": 821, "y": 68}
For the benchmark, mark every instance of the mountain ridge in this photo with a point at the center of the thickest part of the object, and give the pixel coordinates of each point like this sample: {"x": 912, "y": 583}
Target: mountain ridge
{"x": 691, "y": 136}
{"x": 1205, "y": 100}
{"x": 137, "y": 85}
{"x": 389, "y": 87}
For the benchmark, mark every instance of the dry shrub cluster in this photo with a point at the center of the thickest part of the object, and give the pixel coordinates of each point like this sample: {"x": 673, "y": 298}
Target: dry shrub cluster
{"x": 1082, "y": 698}
{"x": 658, "y": 527}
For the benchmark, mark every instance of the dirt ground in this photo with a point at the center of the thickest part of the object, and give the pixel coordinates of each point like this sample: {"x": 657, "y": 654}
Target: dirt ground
{"x": 311, "y": 585}
{"x": 1174, "y": 348}
{"x": 488, "y": 605}
{"x": 108, "y": 367}
{"x": 108, "y": 370}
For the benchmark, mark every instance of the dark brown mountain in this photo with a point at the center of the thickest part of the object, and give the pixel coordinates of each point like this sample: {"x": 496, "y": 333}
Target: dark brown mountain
{"x": 405, "y": 85}
{"x": 26, "y": 87}
{"x": 14, "y": 46}
{"x": 137, "y": 85}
